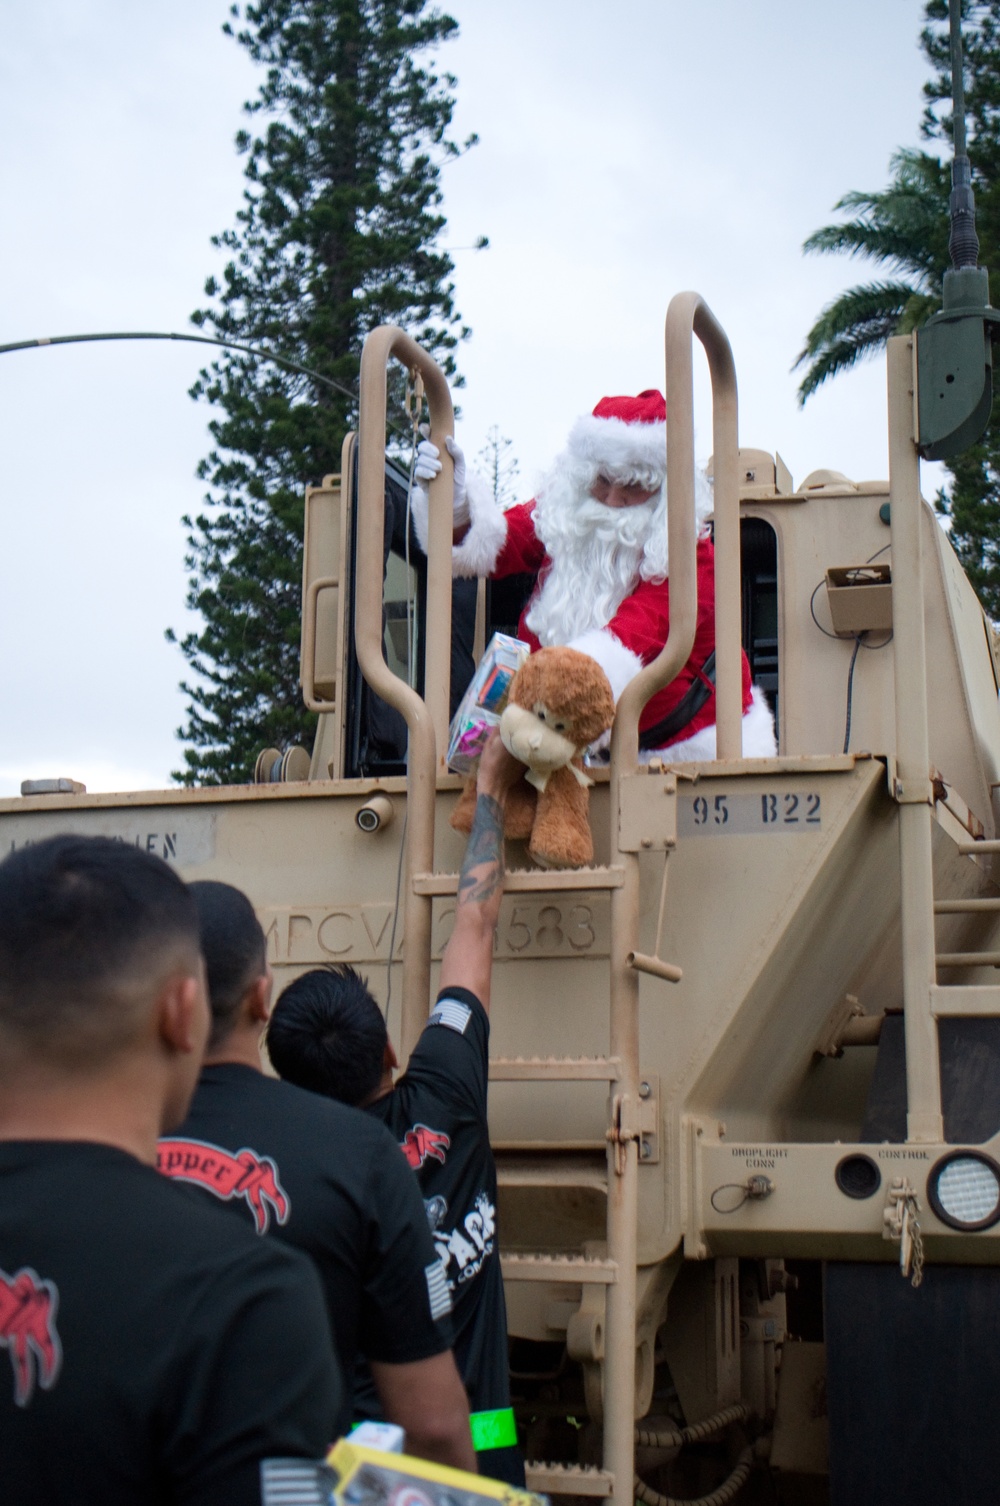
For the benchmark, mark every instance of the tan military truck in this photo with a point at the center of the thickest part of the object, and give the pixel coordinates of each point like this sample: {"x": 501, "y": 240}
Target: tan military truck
{"x": 738, "y": 1116}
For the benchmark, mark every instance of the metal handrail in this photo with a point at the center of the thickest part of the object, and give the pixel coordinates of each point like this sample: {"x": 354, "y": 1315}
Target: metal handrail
{"x": 689, "y": 314}
{"x": 426, "y": 718}
{"x": 924, "y": 1121}
{"x": 309, "y": 610}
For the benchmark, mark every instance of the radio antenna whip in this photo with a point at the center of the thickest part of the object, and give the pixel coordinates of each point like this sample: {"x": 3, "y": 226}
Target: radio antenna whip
{"x": 963, "y": 243}
{"x": 955, "y": 346}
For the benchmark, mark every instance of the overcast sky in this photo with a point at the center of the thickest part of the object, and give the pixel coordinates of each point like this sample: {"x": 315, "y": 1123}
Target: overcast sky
{"x": 627, "y": 152}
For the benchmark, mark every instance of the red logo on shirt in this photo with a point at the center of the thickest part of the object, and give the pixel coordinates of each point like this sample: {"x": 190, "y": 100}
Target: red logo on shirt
{"x": 245, "y": 1174}
{"x": 420, "y": 1142}
{"x": 28, "y": 1331}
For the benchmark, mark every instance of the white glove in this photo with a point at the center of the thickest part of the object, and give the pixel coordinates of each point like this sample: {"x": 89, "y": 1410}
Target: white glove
{"x": 428, "y": 465}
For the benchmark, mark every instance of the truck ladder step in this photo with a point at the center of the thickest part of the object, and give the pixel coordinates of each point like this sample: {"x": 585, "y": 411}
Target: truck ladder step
{"x": 573, "y": 1270}
{"x": 549, "y": 1147}
{"x": 968, "y": 959}
{"x": 555, "y": 1069}
{"x": 568, "y": 1479}
{"x": 974, "y": 999}
{"x": 566, "y": 1171}
{"x": 529, "y": 880}
{"x": 964, "y": 906}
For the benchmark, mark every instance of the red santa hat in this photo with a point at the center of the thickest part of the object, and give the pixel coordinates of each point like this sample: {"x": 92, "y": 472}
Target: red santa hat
{"x": 625, "y": 437}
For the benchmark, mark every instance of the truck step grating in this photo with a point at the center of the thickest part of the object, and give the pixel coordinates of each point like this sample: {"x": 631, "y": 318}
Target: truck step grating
{"x": 529, "y": 880}
{"x": 568, "y": 1479}
{"x": 555, "y": 1068}
{"x": 968, "y": 959}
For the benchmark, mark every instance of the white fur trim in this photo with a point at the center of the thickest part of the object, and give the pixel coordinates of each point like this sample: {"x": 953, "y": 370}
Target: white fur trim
{"x": 619, "y": 663}
{"x": 699, "y": 748}
{"x": 704, "y": 502}
{"x": 480, "y": 549}
{"x": 758, "y": 738}
{"x": 619, "y": 447}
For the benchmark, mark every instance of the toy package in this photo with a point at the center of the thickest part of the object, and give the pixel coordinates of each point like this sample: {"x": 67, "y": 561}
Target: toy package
{"x": 484, "y": 700}
{"x": 355, "y": 1475}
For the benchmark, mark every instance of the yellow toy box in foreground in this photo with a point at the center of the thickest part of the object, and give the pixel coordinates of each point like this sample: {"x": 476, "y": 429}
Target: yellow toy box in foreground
{"x": 355, "y": 1475}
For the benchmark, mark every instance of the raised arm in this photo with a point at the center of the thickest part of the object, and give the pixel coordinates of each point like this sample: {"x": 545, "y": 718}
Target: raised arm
{"x": 468, "y": 957}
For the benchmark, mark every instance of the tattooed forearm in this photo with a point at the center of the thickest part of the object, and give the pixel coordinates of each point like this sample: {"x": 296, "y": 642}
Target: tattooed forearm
{"x": 482, "y": 868}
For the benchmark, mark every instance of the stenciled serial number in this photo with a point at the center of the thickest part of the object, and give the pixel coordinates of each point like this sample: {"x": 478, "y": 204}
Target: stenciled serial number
{"x": 303, "y": 935}
{"x": 541, "y": 928}
{"x": 743, "y": 815}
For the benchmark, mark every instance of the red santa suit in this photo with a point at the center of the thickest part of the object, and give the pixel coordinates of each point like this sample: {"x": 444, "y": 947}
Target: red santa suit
{"x": 636, "y": 633}
{"x": 624, "y": 439}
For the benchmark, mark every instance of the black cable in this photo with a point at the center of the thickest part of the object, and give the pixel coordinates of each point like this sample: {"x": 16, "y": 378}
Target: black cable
{"x": 872, "y": 648}
{"x": 262, "y": 355}
{"x": 812, "y": 611}
{"x": 850, "y": 692}
{"x": 859, "y": 643}
{"x": 247, "y": 350}
{"x": 730, "y": 1187}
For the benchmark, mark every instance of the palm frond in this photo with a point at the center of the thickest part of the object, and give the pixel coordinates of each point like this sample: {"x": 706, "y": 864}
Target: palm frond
{"x": 904, "y": 226}
{"x": 857, "y": 324}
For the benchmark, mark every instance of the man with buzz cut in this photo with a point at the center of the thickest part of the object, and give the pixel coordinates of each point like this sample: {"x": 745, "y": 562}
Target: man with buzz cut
{"x": 327, "y": 1033}
{"x": 325, "y": 1179}
{"x": 155, "y": 1351}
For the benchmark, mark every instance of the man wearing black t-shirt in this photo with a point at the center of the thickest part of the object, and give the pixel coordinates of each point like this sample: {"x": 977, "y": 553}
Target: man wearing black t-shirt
{"x": 155, "y": 1351}
{"x": 326, "y": 1179}
{"x": 327, "y": 1033}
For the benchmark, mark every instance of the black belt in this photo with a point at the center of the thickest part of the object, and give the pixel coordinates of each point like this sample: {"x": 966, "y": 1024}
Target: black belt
{"x": 687, "y": 708}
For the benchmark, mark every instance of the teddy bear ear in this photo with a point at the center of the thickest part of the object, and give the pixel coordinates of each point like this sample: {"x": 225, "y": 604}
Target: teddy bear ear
{"x": 521, "y": 685}
{"x": 605, "y": 704}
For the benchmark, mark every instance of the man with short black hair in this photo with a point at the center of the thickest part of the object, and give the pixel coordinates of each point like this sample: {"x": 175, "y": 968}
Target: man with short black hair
{"x": 157, "y": 1351}
{"x": 342, "y": 1058}
{"x": 328, "y": 1033}
{"x": 327, "y": 1180}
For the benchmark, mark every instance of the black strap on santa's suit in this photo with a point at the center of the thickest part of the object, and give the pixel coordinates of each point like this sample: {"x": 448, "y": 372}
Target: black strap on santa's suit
{"x": 687, "y": 708}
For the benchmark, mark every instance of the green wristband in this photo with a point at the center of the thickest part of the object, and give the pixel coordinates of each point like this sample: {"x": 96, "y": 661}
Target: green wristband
{"x": 493, "y": 1429}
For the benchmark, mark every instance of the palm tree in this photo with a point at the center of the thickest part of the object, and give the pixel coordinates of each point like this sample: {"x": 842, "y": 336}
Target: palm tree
{"x": 903, "y": 228}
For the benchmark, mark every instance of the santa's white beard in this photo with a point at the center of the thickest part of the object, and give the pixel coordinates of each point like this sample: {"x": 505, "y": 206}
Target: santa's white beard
{"x": 599, "y": 554}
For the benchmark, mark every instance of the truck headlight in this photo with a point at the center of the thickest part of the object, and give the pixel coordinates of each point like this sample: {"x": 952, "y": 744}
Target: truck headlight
{"x": 964, "y": 1190}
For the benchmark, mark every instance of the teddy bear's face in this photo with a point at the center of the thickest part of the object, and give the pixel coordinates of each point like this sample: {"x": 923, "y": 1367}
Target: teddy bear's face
{"x": 560, "y": 701}
{"x": 535, "y": 736}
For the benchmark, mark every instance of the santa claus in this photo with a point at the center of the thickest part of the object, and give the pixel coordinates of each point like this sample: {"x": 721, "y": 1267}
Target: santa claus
{"x": 596, "y": 539}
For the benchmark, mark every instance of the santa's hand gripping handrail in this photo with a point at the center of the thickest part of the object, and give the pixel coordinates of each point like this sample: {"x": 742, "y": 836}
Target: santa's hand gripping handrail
{"x": 689, "y": 314}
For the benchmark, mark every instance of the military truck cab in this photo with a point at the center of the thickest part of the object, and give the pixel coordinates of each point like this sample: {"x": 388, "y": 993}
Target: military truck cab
{"x": 758, "y": 1037}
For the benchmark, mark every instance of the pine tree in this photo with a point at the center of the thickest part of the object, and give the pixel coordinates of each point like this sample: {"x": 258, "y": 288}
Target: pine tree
{"x": 338, "y": 233}
{"x": 904, "y": 228}
{"x": 499, "y": 466}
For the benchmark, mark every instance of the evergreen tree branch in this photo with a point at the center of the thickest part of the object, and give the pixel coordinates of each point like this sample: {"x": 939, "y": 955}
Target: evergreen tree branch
{"x": 338, "y": 232}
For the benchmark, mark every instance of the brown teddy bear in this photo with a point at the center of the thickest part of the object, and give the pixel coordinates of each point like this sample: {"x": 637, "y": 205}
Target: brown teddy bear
{"x": 559, "y": 702}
